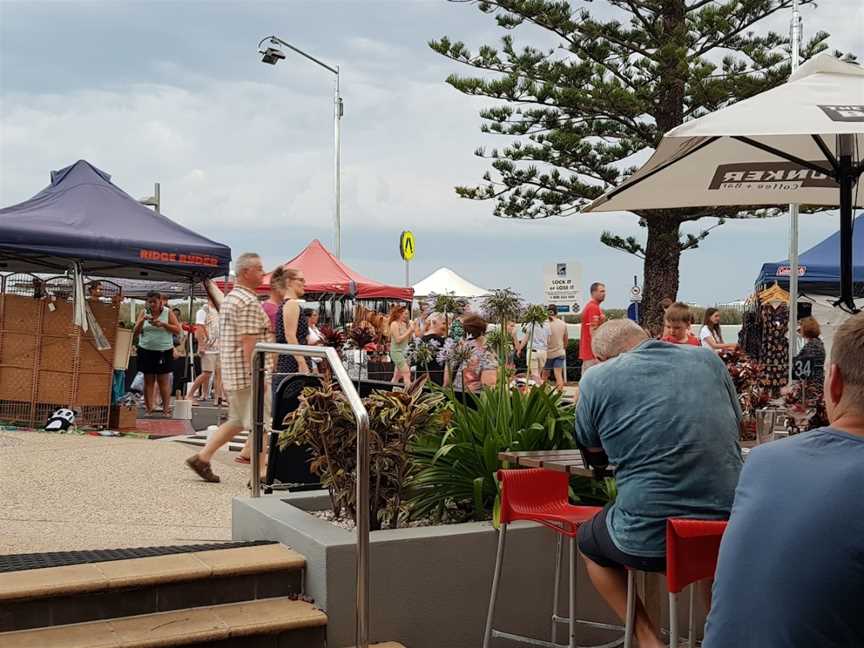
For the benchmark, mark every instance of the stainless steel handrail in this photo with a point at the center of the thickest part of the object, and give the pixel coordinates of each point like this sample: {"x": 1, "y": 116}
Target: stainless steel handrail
{"x": 362, "y": 418}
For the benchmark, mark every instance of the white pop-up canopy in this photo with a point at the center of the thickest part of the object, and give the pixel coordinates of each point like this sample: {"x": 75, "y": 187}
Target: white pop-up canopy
{"x": 444, "y": 281}
{"x": 801, "y": 142}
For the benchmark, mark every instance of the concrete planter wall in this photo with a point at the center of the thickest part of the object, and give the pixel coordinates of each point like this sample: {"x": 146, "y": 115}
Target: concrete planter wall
{"x": 430, "y": 586}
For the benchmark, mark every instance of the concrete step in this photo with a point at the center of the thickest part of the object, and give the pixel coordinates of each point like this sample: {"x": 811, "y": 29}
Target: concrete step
{"x": 233, "y": 446}
{"x": 104, "y": 590}
{"x": 270, "y": 623}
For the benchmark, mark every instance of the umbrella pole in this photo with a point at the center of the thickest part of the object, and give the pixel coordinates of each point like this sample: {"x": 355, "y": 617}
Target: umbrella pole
{"x": 795, "y": 33}
{"x": 848, "y": 177}
{"x": 793, "y": 288}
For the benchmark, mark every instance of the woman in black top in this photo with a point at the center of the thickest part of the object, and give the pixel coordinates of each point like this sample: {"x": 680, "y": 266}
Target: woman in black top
{"x": 809, "y": 364}
{"x": 292, "y": 326}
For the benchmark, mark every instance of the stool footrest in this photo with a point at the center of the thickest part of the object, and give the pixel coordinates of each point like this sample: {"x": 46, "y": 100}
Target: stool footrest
{"x": 590, "y": 624}
{"x": 531, "y": 641}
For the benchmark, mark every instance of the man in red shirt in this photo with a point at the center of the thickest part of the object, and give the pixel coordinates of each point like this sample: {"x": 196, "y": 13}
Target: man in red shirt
{"x": 592, "y": 317}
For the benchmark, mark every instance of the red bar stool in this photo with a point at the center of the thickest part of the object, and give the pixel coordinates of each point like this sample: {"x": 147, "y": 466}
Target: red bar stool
{"x": 692, "y": 547}
{"x": 541, "y": 496}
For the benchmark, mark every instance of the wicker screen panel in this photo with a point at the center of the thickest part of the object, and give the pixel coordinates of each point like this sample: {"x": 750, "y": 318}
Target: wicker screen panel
{"x": 55, "y": 387}
{"x": 16, "y": 384}
{"x": 59, "y": 320}
{"x": 92, "y": 360}
{"x": 107, "y": 314}
{"x": 46, "y": 362}
{"x": 19, "y": 350}
{"x": 94, "y": 389}
{"x": 58, "y": 353}
{"x": 21, "y": 314}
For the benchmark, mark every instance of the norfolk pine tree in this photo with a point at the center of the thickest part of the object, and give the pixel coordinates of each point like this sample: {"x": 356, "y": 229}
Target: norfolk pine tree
{"x": 624, "y": 72}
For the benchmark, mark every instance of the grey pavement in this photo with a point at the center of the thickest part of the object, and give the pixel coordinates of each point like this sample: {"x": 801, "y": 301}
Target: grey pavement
{"x": 63, "y": 492}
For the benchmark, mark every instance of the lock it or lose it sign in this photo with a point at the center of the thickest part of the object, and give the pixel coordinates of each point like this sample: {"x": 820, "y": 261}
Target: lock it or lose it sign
{"x": 562, "y": 286}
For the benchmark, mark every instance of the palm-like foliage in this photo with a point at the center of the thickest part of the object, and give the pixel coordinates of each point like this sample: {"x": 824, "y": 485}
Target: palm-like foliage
{"x": 501, "y": 306}
{"x": 448, "y": 305}
{"x": 456, "y": 467}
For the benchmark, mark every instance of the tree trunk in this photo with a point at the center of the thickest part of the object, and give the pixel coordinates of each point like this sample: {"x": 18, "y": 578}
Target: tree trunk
{"x": 663, "y": 249}
{"x": 662, "y": 253}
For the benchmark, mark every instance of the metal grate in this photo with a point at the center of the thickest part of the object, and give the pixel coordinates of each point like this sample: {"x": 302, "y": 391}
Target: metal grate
{"x": 22, "y": 562}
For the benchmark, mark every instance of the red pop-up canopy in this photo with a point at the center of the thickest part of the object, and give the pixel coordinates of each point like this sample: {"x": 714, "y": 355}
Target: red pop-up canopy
{"x": 326, "y": 274}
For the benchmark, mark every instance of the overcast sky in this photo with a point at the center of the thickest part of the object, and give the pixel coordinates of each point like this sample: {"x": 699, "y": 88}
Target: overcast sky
{"x": 174, "y": 92}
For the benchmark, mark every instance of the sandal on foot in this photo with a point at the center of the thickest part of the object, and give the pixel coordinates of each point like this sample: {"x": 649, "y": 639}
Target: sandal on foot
{"x": 202, "y": 469}
{"x": 242, "y": 460}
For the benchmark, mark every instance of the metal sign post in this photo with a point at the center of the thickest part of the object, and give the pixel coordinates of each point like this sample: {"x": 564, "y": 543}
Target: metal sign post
{"x": 635, "y": 300}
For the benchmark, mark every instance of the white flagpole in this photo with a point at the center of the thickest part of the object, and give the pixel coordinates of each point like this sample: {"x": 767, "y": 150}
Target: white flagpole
{"x": 795, "y": 31}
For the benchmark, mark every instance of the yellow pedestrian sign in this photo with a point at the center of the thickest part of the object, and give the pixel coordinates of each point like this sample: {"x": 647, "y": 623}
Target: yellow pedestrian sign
{"x": 407, "y": 245}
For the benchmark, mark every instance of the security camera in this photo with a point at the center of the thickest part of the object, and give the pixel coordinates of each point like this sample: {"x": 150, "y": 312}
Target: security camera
{"x": 271, "y": 55}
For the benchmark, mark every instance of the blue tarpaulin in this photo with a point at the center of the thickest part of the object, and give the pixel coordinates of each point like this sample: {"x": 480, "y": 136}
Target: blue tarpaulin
{"x": 82, "y": 216}
{"x": 819, "y": 267}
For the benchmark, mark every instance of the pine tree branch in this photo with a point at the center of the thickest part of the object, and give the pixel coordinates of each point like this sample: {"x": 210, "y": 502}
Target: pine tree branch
{"x": 745, "y": 23}
{"x": 627, "y": 245}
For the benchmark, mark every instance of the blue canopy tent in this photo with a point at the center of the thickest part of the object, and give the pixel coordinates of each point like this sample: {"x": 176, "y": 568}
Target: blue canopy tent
{"x": 819, "y": 267}
{"x": 83, "y": 217}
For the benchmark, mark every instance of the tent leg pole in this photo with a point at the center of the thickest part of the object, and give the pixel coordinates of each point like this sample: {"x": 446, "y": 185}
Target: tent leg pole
{"x": 191, "y": 345}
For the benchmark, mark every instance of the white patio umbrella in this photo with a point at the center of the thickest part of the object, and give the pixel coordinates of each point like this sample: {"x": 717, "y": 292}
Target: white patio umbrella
{"x": 801, "y": 142}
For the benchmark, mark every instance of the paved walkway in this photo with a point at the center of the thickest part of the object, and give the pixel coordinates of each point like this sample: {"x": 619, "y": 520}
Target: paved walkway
{"x": 60, "y": 492}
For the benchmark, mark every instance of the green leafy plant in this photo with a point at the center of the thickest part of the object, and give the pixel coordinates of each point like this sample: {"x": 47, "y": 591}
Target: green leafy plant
{"x": 456, "y": 467}
{"x": 326, "y": 423}
{"x": 502, "y": 306}
{"x": 422, "y": 353}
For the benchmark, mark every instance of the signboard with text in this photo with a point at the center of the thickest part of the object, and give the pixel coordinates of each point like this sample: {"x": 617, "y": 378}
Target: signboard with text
{"x": 562, "y": 286}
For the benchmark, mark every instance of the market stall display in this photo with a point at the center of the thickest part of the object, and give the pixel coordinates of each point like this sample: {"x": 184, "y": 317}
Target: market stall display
{"x": 819, "y": 278}
{"x": 57, "y": 332}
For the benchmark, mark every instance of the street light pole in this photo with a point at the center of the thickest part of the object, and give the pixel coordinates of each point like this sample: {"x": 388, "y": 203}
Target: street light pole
{"x": 273, "y": 55}
{"x": 337, "y": 119}
{"x": 154, "y": 201}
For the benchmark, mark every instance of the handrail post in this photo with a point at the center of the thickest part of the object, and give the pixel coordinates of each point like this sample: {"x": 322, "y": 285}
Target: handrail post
{"x": 258, "y": 388}
{"x": 361, "y": 416}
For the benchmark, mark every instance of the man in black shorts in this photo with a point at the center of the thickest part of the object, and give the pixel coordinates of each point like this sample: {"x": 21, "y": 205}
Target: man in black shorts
{"x": 667, "y": 417}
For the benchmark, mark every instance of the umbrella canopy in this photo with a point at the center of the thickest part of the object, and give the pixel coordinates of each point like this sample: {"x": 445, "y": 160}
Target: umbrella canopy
{"x": 819, "y": 267}
{"x": 82, "y": 216}
{"x": 445, "y": 281}
{"x": 326, "y": 274}
{"x": 800, "y": 142}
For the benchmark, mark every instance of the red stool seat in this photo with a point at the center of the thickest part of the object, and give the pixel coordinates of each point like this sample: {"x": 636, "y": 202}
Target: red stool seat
{"x": 541, "y": 496}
